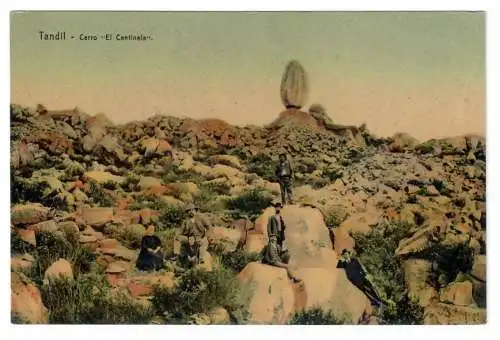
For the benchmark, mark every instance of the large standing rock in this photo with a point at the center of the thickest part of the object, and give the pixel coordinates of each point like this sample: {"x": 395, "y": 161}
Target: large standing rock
{"x": 26, "y": 301}
{"x": 294, "y": 87}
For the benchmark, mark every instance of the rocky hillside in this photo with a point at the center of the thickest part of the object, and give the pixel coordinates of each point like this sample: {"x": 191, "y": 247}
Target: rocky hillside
{"x": 83, "y": 190}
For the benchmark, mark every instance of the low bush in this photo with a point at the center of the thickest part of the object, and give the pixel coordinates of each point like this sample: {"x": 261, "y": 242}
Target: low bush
{"x": 86, "y": 300}
{"x": 51, "y": 247}
{"x": 98, "y": 196}
{"x": 376, "y": 251}
{"x": 449, "y": 260}
{"x": 171, "y": 216}
{"x": 262, "y": 165}
{"x": 208, "y": 200}
{"x": 173, "y": 173}
{"x": 238, "y": 259}
{"x": 251, "y": 202}
{"x": 148, "y": 201}
{"x": 315, "y": 316}
{"x": 198, "y": 291}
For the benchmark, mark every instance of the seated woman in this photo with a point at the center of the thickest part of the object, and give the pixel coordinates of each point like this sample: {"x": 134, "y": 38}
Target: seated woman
{"x": 151, "y": 256}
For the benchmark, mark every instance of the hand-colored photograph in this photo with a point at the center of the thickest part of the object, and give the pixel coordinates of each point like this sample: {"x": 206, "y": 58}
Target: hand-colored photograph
{"x": 248, "y": 168}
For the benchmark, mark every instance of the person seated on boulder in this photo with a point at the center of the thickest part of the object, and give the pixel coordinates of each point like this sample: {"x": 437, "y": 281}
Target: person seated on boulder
{"x": 274, "y": 256}
{"x": 358, "y": 275}
{"x": 190, "y": 252}
{"x": 151, "y": 256}
{"x": 276, "y": 226}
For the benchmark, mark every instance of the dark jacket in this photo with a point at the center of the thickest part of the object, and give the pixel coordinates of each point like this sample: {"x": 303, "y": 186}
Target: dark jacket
{"x": 284, "y": 169}
{"x": 197, "y": 228}
{"x": 273, "y": 228}
{"x": 147, "y": 260}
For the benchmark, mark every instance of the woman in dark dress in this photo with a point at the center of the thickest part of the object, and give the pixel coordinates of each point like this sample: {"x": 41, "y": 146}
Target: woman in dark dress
{"x": 151, "y": 256}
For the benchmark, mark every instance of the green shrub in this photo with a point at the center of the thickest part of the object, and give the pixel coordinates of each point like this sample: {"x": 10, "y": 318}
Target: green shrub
{"x": 405, "y": 311}
{"x": 18, "y": 246}
{"x": 449, "y": 260}
{"x": 110, "y": 185}
{"x": 99, "y": 196}
{"x": 35, "y": 191}
{"x": 412, "y": 199}
{"x": 355, "y": 155}
{"x": 167, "y": 238}
{"x": 333, "y": 220}
{"x": 171, "y": 217}
{"x": 148, "y": 201}
{"x": 376, "y": 251}
{"x": 85, "y": 300}
{"x": 51, "y": 247}
{"x": 315, "y": 316}
{"x": 333, "y": 174}
{"x": 422, "y": 192}
{"x": 425, "y": 147}
{"x": 207, "y": 200}
{"x": 198, "y": 291}
{"x": 251, "y": 202}
{"x": 238, "y": 152}
{"x": 173, "y": 173}
{"x": 237, "y": 260}
{"x": 131, "y": 182}
{"x": 262, "y": 165}
{"x": 129, "y": 236}
{"x": 218, "y": 188}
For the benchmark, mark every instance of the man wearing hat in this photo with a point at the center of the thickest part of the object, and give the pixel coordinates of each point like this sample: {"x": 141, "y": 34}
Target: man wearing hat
{"x": 194, "y": 224}
{"x": 276, "y": 226}
{"x": 284, "y": 173}
{"x": 359, "y": 276}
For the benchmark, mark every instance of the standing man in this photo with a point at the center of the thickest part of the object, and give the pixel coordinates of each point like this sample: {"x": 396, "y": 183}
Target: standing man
{"x": 194, "y": 224}
{"x": 276, "y": 226}
{"x": 284, "y": 173}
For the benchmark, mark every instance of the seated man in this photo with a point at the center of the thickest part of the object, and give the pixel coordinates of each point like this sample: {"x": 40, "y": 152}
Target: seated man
{"x": 358, "y": 275}
{"x": 274, "y": 256}
{"x": 190, "y": 252}
{"x": 151, "y": 256}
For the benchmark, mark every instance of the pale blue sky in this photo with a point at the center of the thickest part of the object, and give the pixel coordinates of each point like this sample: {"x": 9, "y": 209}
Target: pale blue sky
{"x": 396, "y": 71}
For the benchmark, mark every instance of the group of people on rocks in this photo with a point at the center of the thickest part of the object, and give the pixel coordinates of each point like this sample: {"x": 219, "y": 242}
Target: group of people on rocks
{"x": 275, "y": 253}
{"x": 193, "y": 238}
